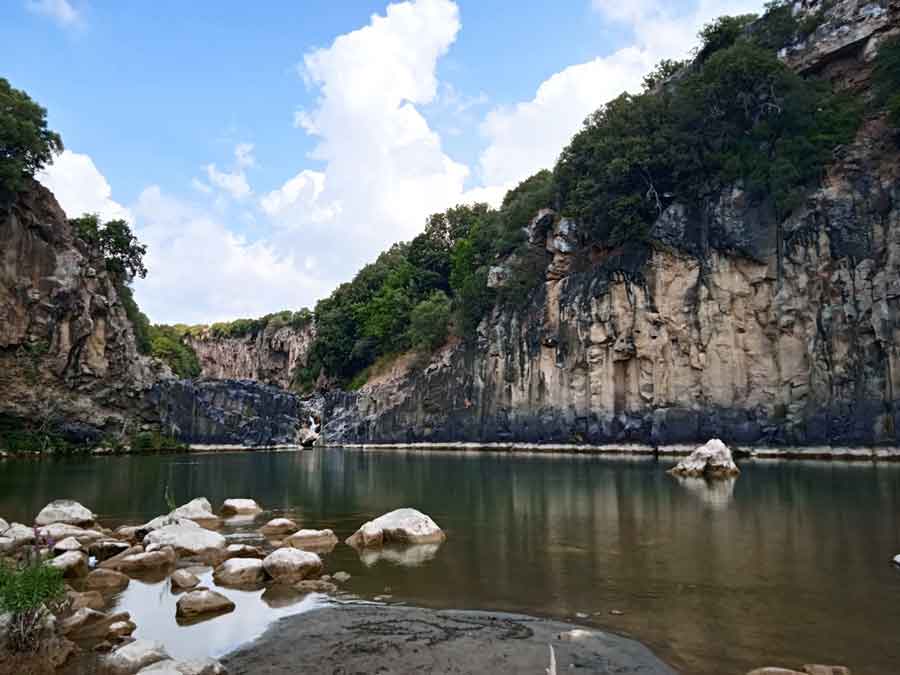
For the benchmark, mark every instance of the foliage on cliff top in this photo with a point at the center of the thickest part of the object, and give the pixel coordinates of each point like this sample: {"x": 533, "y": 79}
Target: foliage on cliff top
{"x": 114, "y": 243}
{"x": 887, "y": 78}
{"x": 26, "y": 144}
{"x": 252, "y": 327}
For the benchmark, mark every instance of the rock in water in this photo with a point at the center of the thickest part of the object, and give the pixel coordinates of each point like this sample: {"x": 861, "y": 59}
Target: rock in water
{"x": 278, "y": 526}
{"x": 106, "y": 580}
{"x": 240, "y": 572}
{"x": 240, "y": 507}
{"x": 244, "y": 551}
{"x": 182, "y": 579}
{"x": 403, "y": 526}
{"x": 89, "y": 624}
{"x": 712, "y": 460}
{"x": 131, "y": 658}
{"x": 188, "y": 541}
{"x": 71, "y": 564}
{"x": 64, "y": 511}
{"x": 199, "y": 510}
{"x": 203, "y": 601}
{"x": 290, "y": 565}
{"x": 312, "y": 540}
{"x": 172, "y": 667}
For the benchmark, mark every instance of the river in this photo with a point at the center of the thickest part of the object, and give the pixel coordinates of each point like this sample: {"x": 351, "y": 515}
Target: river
{"x": 788, "y": 564}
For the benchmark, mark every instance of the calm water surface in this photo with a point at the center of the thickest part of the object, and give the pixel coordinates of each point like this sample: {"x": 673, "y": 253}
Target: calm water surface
{"x": 790, "y": 564}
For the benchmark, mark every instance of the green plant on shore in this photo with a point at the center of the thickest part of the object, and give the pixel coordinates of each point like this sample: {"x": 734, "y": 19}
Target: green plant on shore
{"x": 154, "y": 441}
{"x": 169, "y": 499}
{"x": 29, "y": 594}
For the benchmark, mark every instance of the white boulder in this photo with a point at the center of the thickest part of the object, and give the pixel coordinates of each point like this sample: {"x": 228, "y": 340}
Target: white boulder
{"x": 198, "y": 510}
{"x": 134, "y": 656}
{"x": 244, "y": 551}
{"x": 202, "y": 601}
{"x": 278, "y": 526}
{"x": 64, "y": 511}
{"x": 312, "y": 540}
{"x": 240, "y": 572}
{"x": 290, "y": 565}
{"x": 712, "y": 460}
{"x": 66, "y": 545}
{"x": 240, "y": 507}
{"x": 19, "y": 535}
{"x": 403, "y": 526}
{"x": 188, "y": 540}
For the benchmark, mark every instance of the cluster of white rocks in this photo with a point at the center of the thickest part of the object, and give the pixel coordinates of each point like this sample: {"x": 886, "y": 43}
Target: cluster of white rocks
{"x": 101, "y": 562}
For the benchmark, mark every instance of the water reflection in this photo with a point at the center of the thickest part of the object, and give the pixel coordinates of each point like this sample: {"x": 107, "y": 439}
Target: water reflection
{"x": 716, "y": 494}
{"x": 790, "y": 564}
{"x": 409, "y": 556}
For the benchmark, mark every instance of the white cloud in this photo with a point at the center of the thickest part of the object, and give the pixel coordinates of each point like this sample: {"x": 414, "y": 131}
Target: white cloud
{"x": 233, "y": 183}
{"x": 298, "y": 200}
{"x": 60, "y": 11}
{"x": 529, "y": 136}
{"x": 383, "y": 164}
{"x": 200, "y": 271}
{"x": 80, "y": 187}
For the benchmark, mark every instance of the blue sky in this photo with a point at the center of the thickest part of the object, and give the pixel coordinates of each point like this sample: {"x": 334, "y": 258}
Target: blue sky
{"x": 183, "y": 117}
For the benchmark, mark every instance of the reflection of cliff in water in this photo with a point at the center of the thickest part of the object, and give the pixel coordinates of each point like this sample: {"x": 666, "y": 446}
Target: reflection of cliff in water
{"x": 713, "y": 589}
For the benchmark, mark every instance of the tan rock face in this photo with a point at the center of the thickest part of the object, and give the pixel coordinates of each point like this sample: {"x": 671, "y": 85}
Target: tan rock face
{"x": 766, "y": 333}
{"x": 67, "y": 350}
{"x": 270, "y": 356}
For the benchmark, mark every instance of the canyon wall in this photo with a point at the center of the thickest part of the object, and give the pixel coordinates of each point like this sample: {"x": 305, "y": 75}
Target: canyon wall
{"x": 270, "y": 356}
{"x": 729, "y": 324}
{"x": 68, "y": 358}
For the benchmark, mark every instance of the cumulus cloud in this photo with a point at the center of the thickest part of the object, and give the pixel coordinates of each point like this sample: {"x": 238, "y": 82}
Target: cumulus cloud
{"x": 80, "y": 187}
{"x": 528, "y": 136}
{"x": 61, "y": 11}
{"x": 201, "y": 271}
{"x": 383, "y": 164}
{"x": 233, "y": 183}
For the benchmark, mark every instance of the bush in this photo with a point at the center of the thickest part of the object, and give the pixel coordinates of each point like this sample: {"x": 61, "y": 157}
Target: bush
{"x": 115, "y": 243}
{"x": 28, "y": 594}
{"x": 26, "y": 145}
{"x": 154, "y": 441}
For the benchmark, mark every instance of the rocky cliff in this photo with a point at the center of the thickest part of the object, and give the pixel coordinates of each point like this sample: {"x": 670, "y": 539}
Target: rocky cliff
{"x": 730, "y": 324}
{"x": 270, "y": 356}
{"x": 68, "y": 360}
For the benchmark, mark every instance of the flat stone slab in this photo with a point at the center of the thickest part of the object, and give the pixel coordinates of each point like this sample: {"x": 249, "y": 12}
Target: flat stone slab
{"x": 375, "y": 639}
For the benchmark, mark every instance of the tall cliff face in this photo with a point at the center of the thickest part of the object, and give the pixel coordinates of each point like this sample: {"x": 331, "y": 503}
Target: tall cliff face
{"x": 270, "y": 356}
{"x": 730, "y": 324}
{"x": 67, "y": 351}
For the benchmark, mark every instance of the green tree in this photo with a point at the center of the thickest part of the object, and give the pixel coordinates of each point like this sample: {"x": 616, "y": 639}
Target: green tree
{"x": 26, "y": 144}
{"x": 115, "y": 243}
{"x": 722, "y": 33}
{"x": 429, "y": 321}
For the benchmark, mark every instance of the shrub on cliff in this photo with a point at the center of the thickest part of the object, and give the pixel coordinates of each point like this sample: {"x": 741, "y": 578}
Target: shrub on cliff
{"x": 28, "y": 594}
{"x": 26, "y": 144}
{"x": 887, "y": 78}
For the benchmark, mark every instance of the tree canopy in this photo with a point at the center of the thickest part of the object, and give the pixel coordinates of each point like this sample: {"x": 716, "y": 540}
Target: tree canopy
{"x": 26, "y": 144}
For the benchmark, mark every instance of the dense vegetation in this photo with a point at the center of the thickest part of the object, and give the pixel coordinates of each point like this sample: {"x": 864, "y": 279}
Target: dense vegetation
{"x": 28, "y": 594}
{"x": 887, "y": 78}
{"x": 251, "y": 327}
{"x": 26, "y": 144}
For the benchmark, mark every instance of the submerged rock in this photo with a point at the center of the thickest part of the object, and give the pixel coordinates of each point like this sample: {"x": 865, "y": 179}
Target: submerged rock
{"x": 312, "y": 540}
{"x": 341, "y": 577}
{"x": 403, "y": 526}
{"x": 315, "y": 586}
{"x": 278, "y": 526}
{"x": 200, "y": 602}
{"x": 290, "y": 565}
{"x": 131, "y": 658}
{"x": 240, "y": 572}
{"x": 712, "y": 460}
{"x": 404, "y": 556}
{"x": 64, "y": 511}
{"x": 240, "y": 507}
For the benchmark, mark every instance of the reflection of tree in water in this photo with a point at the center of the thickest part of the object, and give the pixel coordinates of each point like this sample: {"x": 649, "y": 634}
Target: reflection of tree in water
{"x": 716, "y": 494}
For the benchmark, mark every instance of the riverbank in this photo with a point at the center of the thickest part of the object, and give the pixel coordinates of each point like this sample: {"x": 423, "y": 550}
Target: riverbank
{"x": 368, "y": 638}
{"x": 870, "y": 454}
